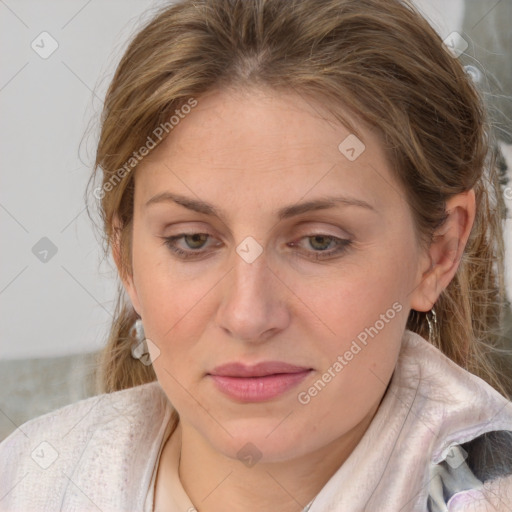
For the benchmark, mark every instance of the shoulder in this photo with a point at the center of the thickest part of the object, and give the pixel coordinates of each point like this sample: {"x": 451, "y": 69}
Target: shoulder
{"x": 471, "y": 428}
{"x": 454, "y": 398}
{"x": 92, "y": 413}
{"x": 93, "y": 434}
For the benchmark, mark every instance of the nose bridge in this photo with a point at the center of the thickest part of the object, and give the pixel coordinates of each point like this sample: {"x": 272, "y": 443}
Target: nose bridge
{"x": 251, "y": 303}
{"x": 250, "y": 282}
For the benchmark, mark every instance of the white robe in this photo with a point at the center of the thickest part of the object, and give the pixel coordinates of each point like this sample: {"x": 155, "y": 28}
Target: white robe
{"x": 102, "y": 453}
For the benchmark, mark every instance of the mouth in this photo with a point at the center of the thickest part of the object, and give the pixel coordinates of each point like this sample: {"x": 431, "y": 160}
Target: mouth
{"x": 257, "y": 383}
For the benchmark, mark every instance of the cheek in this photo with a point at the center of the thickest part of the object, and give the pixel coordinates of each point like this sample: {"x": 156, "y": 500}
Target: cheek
{"x": 176, "y": 314}
{"x": 358, "y": 359}
{"x": 365, "y": 309}
{"x": 175, "y": 308}
{"x": 355, "y": 298}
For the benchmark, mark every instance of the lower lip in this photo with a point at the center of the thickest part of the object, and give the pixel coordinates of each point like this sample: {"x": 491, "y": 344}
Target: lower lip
{"x": 258, "y": 389}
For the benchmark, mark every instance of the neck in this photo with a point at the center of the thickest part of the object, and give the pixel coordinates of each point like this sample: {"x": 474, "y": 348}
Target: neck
{"x": 212, "y": 479}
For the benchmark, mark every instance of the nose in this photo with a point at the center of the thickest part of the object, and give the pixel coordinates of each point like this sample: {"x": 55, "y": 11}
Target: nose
{"x": 253, "y": 306}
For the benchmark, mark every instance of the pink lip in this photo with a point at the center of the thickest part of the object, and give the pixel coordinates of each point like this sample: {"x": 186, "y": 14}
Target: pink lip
{"x": 259, "y": 382}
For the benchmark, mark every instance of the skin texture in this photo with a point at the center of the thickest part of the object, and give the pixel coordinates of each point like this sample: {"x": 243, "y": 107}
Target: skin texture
{"x": 250, "y": 154}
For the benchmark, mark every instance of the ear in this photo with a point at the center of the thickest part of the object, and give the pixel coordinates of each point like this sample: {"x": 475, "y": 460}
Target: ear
{"x": 126, "y": 277}
{"x": 445, "y": 252}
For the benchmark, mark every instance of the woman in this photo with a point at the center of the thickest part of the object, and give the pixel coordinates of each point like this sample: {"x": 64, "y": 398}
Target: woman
{"x": 306, "y": 220}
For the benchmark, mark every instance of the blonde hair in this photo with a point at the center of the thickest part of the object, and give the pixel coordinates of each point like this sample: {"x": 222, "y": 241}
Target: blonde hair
{"x": 377, "y": 58}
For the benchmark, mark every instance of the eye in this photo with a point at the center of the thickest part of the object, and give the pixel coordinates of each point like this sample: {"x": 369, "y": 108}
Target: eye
{"x": 195, "y": 243}
{"x": 321, "y": 243}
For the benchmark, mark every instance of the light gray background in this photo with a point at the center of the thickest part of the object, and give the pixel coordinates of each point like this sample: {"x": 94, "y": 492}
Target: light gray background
{"x": 48, "y": 128}
{"x": 62, "y": 308}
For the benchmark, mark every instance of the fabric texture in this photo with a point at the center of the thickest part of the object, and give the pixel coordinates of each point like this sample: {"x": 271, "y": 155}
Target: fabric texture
{"x": 102, "y": 453}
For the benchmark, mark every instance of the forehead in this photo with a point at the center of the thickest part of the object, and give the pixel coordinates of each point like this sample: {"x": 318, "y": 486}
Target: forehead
{"x": 230, "y": 124}
{"x": 263, "y": 141}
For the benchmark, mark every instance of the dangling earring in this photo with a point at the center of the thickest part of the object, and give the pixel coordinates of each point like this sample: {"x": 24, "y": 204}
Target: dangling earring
{"x": 432, "y": 326}
{"x": 139, "y": 347}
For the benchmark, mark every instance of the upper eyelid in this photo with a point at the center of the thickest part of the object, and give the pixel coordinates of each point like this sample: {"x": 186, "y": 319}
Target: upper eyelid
{"x": 307, "y": 231}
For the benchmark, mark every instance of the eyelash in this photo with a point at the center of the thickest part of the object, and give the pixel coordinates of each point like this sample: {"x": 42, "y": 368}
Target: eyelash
{"x": 342, "y": 246}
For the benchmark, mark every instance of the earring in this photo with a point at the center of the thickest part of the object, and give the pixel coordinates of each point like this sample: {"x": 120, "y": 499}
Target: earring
{"x": 139, "y": 329}
{"x": 139, "y": 348}
{"x": 432, "y": 326}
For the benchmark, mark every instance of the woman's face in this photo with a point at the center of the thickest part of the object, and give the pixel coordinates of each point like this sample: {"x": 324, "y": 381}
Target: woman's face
{"x": 254, "y": 273}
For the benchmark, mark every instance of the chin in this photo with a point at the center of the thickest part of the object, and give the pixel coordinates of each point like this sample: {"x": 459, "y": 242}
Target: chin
{"x": 258, "y": 439}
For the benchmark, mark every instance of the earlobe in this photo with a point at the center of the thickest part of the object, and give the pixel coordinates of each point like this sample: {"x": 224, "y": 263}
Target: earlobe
{"x": 446, "y": 250}
{"x": 426, "y": 292}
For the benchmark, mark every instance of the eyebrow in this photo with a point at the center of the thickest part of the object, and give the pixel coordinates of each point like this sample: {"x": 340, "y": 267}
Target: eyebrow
{"x": 321, "y": 203}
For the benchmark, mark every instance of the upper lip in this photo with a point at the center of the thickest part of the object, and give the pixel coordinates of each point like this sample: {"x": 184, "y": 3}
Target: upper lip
{"x": 257, "y": 370}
